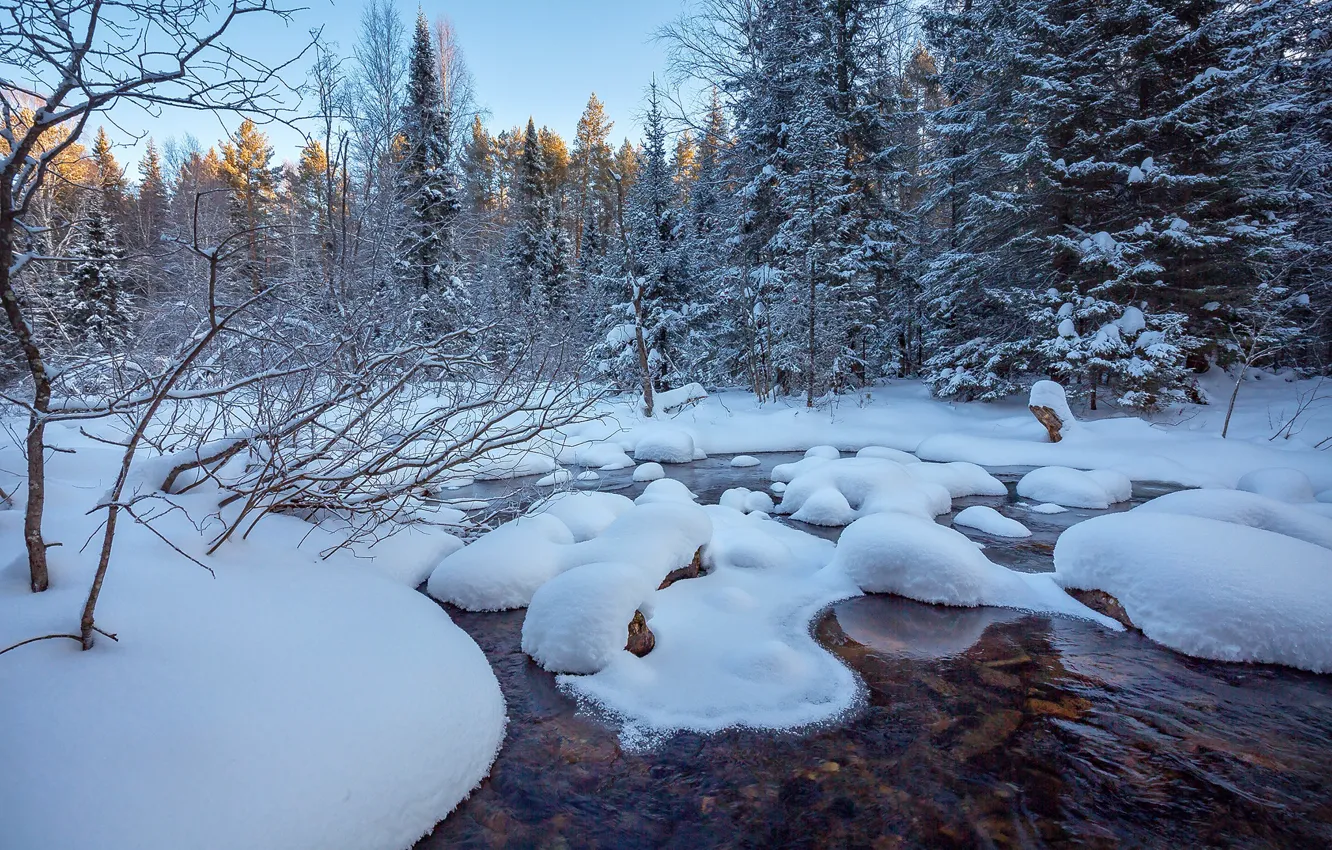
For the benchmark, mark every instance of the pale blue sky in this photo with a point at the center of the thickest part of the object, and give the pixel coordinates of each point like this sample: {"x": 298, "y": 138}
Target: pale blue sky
{"x": 528, "y": 57}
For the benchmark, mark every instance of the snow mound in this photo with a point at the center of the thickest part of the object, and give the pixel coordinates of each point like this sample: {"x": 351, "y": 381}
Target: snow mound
{"x": 918, "y": 558}
{"x": 1244, "y": 508}
{"x": 1097, "y": 488}
{"x": 837, "y": 492}
{"x": 990, "y": 521}
{"x": 743, "y": 461}
{"x": 1208, "y": 588}
{"x": 648, "y": 472}
{"x": 655, "y": 537}
{"x": 588, "y": 475}
{"x": 785, "y": 473}
{"x": 579, "y": 621}
{"x": 825, "y": 452}
{"x": 279, "y": 704}
{"x": 559, "y": 476}
{"x": 1047, "y": 508}
{"x": 746, "y": 501}
{"x": 585, "y": 514}
{"x": 666, "y": 444}
{"x": 665, "y": 490}
{"x": 1288, "y": 485}
{"x": 734, "y": 646}
{"x": 502, "y": 569}
{"x": 512, "y": 463}
{"x": 960, "y": 479}
{"x": 606, "y": 456}
{"x": 888, "y": 454}
{"x": 677, "y": 398}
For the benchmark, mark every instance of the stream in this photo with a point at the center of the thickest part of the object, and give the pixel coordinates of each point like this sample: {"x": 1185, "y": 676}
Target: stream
{"x": 983, "y": 727}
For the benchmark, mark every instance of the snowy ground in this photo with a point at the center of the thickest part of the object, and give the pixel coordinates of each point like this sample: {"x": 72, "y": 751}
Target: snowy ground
{"x": 288, "y": 701}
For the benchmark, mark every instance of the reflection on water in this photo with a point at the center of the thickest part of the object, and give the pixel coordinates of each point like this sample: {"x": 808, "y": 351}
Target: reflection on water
{"x": 983, "y": 727}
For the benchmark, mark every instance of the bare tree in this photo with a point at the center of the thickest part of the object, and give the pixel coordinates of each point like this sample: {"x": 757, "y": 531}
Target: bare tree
{"x": 74, "y": 59}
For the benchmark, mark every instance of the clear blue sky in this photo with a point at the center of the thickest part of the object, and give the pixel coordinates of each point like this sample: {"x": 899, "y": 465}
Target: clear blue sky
{"x": 528, "y": 57}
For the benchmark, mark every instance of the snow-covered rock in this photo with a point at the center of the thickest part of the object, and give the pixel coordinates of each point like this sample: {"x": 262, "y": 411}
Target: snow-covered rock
{"x": 920, "y": 559}
{"x": 1208, "y": 588}
{"x": 588, "y": 475}
{"x": 502, "y": 569}
{"x": 960, "y": 479}
{"x": 826, "y": 452}
{"x": 579, "y": 620}
{"x": 602, "y": 455}
{"x": 1098, "y": 488}
{"x": 585, "y": 514}
{"x": 648, "y": 472}
{"x": 746, "y": 501}
{"x": 836, "y": 492}
{"x": 1288, "y": 485}
{"x": 1047, "y": 508}
{"x": 990, "y": 521}
{"x": 559, "y": 476}
{"x": 1245, "y": 508}
{"x": 744, "y": 461}
{"x": 666, "y": 444}
{"x": 665, "y": 490}
{"x": 888, "y": 454}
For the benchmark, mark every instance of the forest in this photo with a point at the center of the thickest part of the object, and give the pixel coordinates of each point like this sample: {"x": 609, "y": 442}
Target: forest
{"x": 907, "y": 426}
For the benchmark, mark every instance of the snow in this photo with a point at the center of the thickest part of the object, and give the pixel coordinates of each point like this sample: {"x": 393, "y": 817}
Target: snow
{"x": 1245, "y": 508}
{"x": 733, "y": 647}
{"x": 665, "y": 490}
{"x": 665, "y": 444}
{"x": 603, "y": 455}
{"x": 588, "y": 475}
{"x": 579, "y": 621}
{"x": 743, "y": 461}
{"x": 990, "y": 521}
{"x": 1206, "y": 587}
{"x": 585, "y": 514}
{"x": 746, "y": 501}
{"x": 649, "y": 472}
{"x": 1132, "y": 322}
{"x": 837, "y": 492}
{"x": 1288, "y": 485}
{"x": 1047, "y": 508}
{"x": 1097, "y": 489}
{"x": 888, "y": 454}
{"x": 502, "y": 569}
{"x": 922, "y": 560}
{"x": 960, "y": 479}
{"x": 1050, "y": 394}
{"x": 285, "y": 700}
{"x": 825, "y": 452}
{"x": 675, "y": 399}
{"x": 559, "y": 476}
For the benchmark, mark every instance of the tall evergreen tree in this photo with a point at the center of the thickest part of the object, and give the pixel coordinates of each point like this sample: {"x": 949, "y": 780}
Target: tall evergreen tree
{"x": 95, "y": 312}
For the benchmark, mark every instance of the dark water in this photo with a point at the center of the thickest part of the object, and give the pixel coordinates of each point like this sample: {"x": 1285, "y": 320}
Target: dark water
{"x": 983, "y": 728}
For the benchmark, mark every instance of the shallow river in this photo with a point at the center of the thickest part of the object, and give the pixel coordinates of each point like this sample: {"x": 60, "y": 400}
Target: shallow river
{"x": 983, "y": 727}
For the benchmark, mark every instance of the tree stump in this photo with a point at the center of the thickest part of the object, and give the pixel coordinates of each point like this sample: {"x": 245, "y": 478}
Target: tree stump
{"x": 1047, "y": 417}
{"x": 641, "y": 639}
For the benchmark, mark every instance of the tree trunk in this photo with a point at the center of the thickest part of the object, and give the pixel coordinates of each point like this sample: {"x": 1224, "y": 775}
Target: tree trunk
{"x": 41, "y": 383}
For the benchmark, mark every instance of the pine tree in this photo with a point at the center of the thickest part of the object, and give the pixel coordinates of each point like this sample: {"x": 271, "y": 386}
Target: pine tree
{"x": 246, "y": 168}
{"x": 591, "y": 165}
{"x": 428, "y": 261}
{"x": 95, "y": 312}
{"x": 152, "y": 202}
{"x": 110, "y": 177}
{"x": 538, "y": 255}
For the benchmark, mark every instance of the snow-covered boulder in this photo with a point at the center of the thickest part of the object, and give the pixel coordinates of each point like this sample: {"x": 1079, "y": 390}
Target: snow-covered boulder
{"x": 1208, "y": 588}
{"x": 665, "y": 490}
{"x": 922, "y": 560}
{"x": 836, "y": 492}
{"x": 605, "y": 456}
{"x": 559, "y": 476}
{"x": 746, "y": 501}
{"x": 666, "y": 444}
{"x": 1288, "y": 485}
{"x": 744, "y": 461}
{"x": 784, "y": 473}
{"x": 960, "y": 479}
{"x": 1244, "y": 508}
{"x": 502, "y": 569}
{"x": 990, "y": 521}
{"x": 1049, "y": 404}
{"x": 1097, "y": 488}
{"x": 587, "y": 475}
{"x": 825, "y": 452}
{"x": 579, "y": 621}
{"x": 649, "y": 471}
{"x": 888, "y": 454}
{"x": 585, "y": 514}
{"x": 657, "y": 537}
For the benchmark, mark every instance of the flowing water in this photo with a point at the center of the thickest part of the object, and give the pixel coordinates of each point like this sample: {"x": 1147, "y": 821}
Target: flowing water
{"x": 983, "y": 728}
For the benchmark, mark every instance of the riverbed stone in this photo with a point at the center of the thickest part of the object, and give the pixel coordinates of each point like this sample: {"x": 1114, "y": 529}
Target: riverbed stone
{"x": 641, "y": 639}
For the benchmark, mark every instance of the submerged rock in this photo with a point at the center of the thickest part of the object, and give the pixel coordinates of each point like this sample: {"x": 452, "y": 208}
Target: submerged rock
{"x": 1103, "y": 603}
